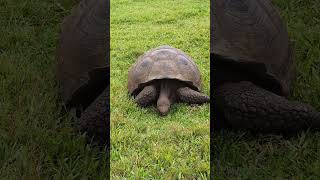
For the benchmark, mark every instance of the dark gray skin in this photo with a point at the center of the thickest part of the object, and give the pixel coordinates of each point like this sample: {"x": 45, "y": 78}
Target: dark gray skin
{"x": 94, "y": 119}
{"x": 243, "y": 105}
{"x": 166, "y": 92}
{"x": 245, "y": 99}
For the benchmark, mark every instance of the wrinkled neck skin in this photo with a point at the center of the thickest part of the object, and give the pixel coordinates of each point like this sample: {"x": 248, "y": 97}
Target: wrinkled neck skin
{"x": 167, "y": 95}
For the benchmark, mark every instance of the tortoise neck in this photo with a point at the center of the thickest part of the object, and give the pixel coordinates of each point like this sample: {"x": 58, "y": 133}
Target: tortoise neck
{"x": 166, "y": 91}
{"x": 166, "y": 95}
{"x": 167, "y": 88}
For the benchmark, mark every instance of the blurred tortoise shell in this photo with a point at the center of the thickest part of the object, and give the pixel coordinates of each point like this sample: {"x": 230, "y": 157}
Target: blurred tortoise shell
{"x": 82, "y": 53}
{"x": 251, "y": 34}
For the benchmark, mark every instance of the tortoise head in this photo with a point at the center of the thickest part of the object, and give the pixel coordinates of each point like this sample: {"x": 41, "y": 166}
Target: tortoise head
{"x": 163, "y": 105}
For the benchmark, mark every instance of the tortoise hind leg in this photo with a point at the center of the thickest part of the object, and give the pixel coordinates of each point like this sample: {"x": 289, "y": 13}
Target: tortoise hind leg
{"x": 94, "y": 120}
{"x": 188, "y": 95}
{"x": 146, "y": 96}
{"x": 246, "y": 106}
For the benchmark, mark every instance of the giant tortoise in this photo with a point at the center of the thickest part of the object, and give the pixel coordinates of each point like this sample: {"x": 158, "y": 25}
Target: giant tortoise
{"x": 253, "y": 70}
{"x": 83, "y": 67}
{"x": 165, "y": 75}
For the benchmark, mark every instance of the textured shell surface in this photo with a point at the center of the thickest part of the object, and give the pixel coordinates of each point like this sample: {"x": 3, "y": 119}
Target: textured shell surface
{"x": 163, "y": 62}
{"x": 82, "y": 49}
{"x": 252, "y": 31}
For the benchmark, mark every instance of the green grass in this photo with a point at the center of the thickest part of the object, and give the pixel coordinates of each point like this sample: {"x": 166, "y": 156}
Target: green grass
{"x": 243, "y": 156}
{"x": 36, "y": 142}
{"x": 143, "y": 144}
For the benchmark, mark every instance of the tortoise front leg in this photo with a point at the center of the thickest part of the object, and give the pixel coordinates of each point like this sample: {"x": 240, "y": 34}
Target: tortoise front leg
{"x": 188, "y": 95}
{"x": 244, "y": 105}
{"x": 94, "y": 120}
{"x": 146, "y": 96}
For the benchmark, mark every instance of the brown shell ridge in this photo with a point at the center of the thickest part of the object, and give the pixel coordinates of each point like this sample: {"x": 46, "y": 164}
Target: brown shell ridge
{"x": 143, "y": 84}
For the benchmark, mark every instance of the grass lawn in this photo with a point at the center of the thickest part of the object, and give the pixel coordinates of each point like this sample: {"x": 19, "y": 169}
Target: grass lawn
{"x": 143, "y": 144}
{"x": 243, "y": 156}
{"x": 36, "y": 142}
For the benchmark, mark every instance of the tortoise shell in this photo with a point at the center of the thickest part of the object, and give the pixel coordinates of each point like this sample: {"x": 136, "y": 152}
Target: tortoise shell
{"x": 82, "y": 53}
{"x": 163, "y": 62}
{"x": 251, "y": 33}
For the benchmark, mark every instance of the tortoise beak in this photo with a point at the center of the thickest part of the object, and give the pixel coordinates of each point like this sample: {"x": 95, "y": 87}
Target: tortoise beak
{"x": 163, "y": 109}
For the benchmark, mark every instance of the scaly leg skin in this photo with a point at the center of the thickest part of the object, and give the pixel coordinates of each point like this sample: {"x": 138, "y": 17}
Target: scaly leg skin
{"x": 244, "y": 105}
{"x": 94, "y": 120}
{"x": 146, "y": 96}
{"x": 188, "y": 95}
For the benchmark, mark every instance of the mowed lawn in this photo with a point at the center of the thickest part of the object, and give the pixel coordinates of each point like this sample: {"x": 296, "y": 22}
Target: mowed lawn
{"x": 36, "y": 141}
{"x": 143, "y": 144}
{"x": 244, "y": 156}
